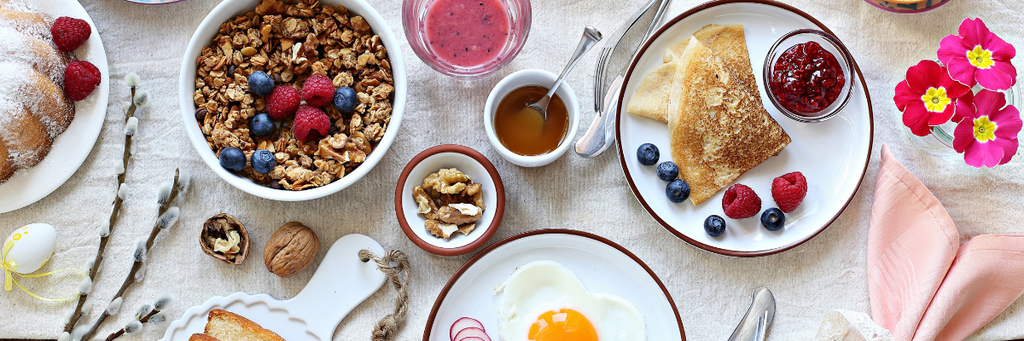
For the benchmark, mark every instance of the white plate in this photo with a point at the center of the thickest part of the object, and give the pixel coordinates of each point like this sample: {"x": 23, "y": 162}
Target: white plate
{"x": 72, "y": 147}
{"x": 603, "y": 266}
{"x": 832, "y": 155}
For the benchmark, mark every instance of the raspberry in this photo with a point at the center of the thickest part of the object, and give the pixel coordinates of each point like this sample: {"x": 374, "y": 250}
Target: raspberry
{"x": 789, "y": 191}
{"x": 80, "y": 79}
{"x": 740, "y": 202}
{"x": 310, "y": 123}
{"x": 317, "y": 90}
{"x": 70, "y": 33}
{"x": 282, "y": 103}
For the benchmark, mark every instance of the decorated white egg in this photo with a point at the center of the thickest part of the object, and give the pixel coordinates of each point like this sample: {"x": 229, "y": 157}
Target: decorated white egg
{"x": 29, "y": 247}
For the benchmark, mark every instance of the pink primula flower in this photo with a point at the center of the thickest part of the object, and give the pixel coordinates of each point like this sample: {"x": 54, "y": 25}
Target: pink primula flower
{"x": 988, "y": 136}
{"x": 927, "y": 97}
{"x": 977, "y": 56}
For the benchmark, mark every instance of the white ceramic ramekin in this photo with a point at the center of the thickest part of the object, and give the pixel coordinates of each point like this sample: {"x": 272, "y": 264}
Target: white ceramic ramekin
{"x": 524, "y": 78}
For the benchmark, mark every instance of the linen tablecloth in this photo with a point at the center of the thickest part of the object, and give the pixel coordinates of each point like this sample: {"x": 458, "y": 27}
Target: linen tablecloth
{"x": 711, "y": 291}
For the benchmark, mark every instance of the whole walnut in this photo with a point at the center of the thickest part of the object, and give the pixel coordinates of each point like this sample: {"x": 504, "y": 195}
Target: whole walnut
{"x": 290, "y": 249}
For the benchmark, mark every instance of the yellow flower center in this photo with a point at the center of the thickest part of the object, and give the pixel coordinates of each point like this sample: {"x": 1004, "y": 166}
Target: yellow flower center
{"x": 935, "y": 99}
{"x": 981, "y": 59}
{"x": 984, "y": 130}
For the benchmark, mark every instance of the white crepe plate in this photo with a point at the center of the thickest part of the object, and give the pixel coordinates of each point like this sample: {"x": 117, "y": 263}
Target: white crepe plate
{"x": 602, "y": 265}
{"x": 72, "y": 147}
{"x": 833, "y": 155}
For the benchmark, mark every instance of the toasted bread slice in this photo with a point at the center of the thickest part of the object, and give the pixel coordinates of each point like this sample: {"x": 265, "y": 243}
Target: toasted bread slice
{"x": 224, "y": 325}
{"x": 719, "y": 130}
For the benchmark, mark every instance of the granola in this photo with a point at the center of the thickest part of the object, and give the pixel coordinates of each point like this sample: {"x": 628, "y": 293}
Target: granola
{"x": 291, "y": 41}
{"x": 450, "y": 201}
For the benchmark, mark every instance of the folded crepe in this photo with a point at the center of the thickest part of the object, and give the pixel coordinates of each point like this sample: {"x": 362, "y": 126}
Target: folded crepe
{"x": 718, "y": 128}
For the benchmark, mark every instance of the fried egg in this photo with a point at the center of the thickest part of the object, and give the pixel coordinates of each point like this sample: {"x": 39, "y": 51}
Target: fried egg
{"x": 545, "y": 301}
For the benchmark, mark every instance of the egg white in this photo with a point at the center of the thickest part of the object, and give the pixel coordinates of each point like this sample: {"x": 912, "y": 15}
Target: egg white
{"x": 541, "y": 286}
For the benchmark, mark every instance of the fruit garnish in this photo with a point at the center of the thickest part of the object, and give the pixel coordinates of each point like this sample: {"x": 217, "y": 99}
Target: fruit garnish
{"x": 318, "y": 90}
{"x": 668, "y": 171}
{"x": 80, "y": 79}
{"x": 282, "y": 102}
{"x": 773, "y": 219}
{"x": 714, "y": 225}
{"x": 70, "y": 33}
{"x": 740, "y": 202}
{"x": 677, "y": 191}
{"x": 647, "y": 154}
{"x": 310, "y": 123}
{"x": 789, "y": 190}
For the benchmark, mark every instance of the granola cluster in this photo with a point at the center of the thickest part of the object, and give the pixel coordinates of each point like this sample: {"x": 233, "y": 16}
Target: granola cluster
{"x": 450, "y": 201}
{"x": 290, "y": 42}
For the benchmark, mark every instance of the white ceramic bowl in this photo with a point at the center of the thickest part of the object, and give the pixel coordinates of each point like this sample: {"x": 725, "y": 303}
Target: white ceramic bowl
{"x": 524, "y": 78}
{"x": 470, "y": 162}
{"x": 186, "y": 87}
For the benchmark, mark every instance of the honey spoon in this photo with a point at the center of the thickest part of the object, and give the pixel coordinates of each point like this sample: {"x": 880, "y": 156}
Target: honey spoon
{"x": 590, "y": 37}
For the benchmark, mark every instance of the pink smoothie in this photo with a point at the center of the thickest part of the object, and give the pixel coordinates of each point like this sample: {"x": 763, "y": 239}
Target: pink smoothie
{"x": 467, "y": 33}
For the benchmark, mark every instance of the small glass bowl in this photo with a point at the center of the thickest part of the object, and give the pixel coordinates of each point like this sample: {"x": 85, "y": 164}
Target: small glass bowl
{"x": 831, "y": 44}
{"x": 907, "y": 6}
{"x": 414, "y": 15}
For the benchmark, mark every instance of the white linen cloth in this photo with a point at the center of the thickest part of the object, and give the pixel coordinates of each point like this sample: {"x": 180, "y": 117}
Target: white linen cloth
{"x": 711, "y": 291}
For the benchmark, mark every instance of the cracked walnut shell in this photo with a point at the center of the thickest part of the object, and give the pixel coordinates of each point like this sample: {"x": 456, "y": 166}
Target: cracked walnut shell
{"x": 223, "y": 237}
{"x": 290, "y": 249}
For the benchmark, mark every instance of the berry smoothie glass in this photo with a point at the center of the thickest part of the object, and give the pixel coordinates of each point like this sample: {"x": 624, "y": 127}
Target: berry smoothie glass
{"x": 466, "y": 38}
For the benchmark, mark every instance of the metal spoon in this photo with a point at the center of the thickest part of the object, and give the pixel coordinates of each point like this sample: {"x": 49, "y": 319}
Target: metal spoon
{"x": 590, "y": 37}
{"x": 755, "y": 323}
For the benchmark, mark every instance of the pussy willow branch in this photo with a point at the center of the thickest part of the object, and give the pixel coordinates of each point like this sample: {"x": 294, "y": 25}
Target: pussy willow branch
{"x": 120, "y": 332}
{"x": 128, "y": 281}
{"x": 113, "y": 219}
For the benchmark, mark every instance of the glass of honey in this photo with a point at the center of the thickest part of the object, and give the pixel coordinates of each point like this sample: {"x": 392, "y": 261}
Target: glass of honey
{"x": 524, "y": 137}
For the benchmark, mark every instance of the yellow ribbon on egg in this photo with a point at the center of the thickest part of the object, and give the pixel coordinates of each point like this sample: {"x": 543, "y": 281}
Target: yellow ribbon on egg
{"x": 10, "y": 270}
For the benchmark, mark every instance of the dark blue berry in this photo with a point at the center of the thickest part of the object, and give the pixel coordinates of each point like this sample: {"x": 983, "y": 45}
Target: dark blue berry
{"x": 345, "y": 99}
{"x": 260, "y": 83}
{"x": 262, "y": 161}
{"x": 261, "y": 125}
{"x": 232, "y": 158}
{"x": 773, "y": 219}
{"x": 714, "y": 225}
{"x": 677, "y": 191}
{"x": 647, "y": 154}
{"x": 667, "y": 171}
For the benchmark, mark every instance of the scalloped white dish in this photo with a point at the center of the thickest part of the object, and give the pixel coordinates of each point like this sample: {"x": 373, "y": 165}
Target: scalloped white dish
{"x": 71, "y": 148}
{"x": 340, "y": 283}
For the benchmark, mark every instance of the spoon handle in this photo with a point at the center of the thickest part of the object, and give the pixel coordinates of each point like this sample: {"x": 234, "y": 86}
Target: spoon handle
{"x": 590, "y": 37}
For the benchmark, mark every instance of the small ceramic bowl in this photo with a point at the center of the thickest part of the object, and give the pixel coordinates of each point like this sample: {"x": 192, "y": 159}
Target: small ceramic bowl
{"x": 524, "y": 78}
{"x": 831, "y": 44}
{"x": 187, "y": 86}
{"x": 473, "y": 164}
{"x": 908, "y": 6}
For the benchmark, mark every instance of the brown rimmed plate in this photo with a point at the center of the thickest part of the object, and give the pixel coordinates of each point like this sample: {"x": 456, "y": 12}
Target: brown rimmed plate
{"x": 833, "y": 155}
{"x": 473, "y": 164}
{"x": 602, "y": 265}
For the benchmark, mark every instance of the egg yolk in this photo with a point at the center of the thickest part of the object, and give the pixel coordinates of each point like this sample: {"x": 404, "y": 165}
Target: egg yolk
{"x": 563, "y": 325}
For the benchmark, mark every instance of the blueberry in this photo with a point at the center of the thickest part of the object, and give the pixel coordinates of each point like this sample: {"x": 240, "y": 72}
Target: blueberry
{"x": 647, "y": 154}
{"x": 667, "y": 171}
{"x": 261, "y": 125}
{"x": 714, "y": 225}
{"x": 345, "y": 99}
{"x": 232, "y": 158}
{"x": 677, "y": 191}
{"x": 262, "y": 161}
{"x": 773, "y": 219}
{"x": 260, "y": 83}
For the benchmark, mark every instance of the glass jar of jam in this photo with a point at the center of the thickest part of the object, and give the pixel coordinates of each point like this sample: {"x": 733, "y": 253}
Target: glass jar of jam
{"x": 808, "y": 75}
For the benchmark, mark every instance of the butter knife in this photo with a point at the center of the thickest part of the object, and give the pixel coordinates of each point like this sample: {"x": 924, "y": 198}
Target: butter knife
{"x": 600, "y": 135}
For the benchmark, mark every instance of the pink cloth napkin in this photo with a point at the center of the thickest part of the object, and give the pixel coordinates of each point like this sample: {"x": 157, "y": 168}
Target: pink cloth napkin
{"x": 923, "y": 284}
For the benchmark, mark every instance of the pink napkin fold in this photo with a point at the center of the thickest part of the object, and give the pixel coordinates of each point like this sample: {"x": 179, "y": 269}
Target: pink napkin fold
{"x": 923, "y": 284}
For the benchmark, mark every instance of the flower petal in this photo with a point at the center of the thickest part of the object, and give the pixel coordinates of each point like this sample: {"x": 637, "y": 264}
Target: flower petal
{"x": 951, "y": 46}
{"x": 904, "y": 95}
{"x": 923, "y": 75}
{"x": 963, "y": 135}
{"x": 954, "y": 89}
{"x": 1008, "y": 123}
{"x": 916, "y": 118}
{"x": 1009, "y": 149}
{"x": 964, "y": 107}
{"x": 983, "y": 154}
{"x": 973, "y": 31}
{"x": 961, "y": 70}
{"x": 993, "y": 78}
{"x": 988, "y": 102}
{"x": 1001, "y": 50}
{"x": 935, "y": 119}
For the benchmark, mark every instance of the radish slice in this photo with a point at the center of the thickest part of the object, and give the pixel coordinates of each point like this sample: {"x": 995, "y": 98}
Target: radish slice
{"x": 472, "y": 333}
{"x": 463, "y": 323}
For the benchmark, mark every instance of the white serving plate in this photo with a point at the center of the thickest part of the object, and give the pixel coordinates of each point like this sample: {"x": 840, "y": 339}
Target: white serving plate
{"x": 832, "y": 155}
{"x": 72, "y": 147}
{"x": 602, "y": 265}
{"x": 340, "y": 283}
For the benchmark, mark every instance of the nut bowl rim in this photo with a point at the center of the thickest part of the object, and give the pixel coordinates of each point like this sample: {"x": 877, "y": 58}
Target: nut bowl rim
{"x": 499, "y": 207}
{"x": 833, "y": 44}
{"x": 186, "y": 85}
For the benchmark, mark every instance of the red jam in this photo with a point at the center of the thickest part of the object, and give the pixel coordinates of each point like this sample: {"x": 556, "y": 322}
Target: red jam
{"x": 807, "y": 78}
